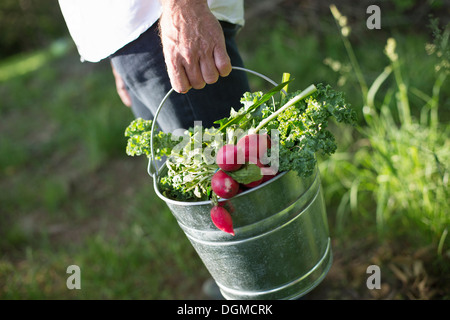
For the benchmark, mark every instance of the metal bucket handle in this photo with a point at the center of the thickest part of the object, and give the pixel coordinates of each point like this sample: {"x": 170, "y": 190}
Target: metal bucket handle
{"x": 152, "y": 169}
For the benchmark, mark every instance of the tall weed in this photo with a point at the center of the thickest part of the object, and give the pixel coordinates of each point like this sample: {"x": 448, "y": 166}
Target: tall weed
{"x": 398, "y": 174}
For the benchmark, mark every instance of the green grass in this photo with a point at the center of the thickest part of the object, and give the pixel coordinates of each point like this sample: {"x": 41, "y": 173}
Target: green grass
{"x": 70, "y": 195}
{"x": 124, "y": 239}
{"x": 144, "y": 258}
{"x": 401, "y": 166}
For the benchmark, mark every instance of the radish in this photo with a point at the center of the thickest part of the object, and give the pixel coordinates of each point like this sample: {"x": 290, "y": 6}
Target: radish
{"x": 227, "y": 158}
{"x": 268, "y": 172}
{"x": 253, "y": 146}
{"x": 223, "y": 185}
{"x": 267, "y": 177}
{"x": 222, "y": 219}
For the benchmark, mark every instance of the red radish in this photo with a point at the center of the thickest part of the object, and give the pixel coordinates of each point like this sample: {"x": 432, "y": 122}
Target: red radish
{"x": 268, "y": 173}
{"x": 227, "y": 158}
{"x": 267, "y": 177}
{"x": 222, "y": 219}
{"x": 254, "y": 146}
{"x": 223, "y": 185}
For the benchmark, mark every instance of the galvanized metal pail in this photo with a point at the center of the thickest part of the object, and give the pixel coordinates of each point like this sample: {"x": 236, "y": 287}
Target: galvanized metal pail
{"x": 281, "y": 248}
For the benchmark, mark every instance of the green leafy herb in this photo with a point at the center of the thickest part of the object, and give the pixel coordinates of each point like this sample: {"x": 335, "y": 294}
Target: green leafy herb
{"x": 303, "y": 129}
{"x": 246, "y": 174}
{"x": 236, "y": 118}
{"x": 300, "y": 118}
{"x": 139, "y": 134}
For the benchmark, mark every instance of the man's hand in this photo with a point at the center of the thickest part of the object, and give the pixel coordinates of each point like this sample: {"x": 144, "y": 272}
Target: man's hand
{"x": 193, "y": 44}
{"x": 121, "y": 88}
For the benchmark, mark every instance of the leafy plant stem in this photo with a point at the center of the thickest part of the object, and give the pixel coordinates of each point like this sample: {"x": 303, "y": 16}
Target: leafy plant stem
{"x": 402, "y": 97}
{"x": 302, "y": 95}
{"x": 356, "y": 68}
{"x": 434, "y": 104}
{"x": 442, "y": 241}
{"x": 369, "y": 111}
{"x": 263, "y": 99}
{"x": 284, "y": 79}
{"x": 351, "y": 55}
{"x": 376, "y": 85}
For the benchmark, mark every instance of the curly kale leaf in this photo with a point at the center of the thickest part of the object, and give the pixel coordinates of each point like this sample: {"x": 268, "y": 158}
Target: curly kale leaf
{"x": 303, "y": 129}
{"x": 190, "y": 159}
{"x": 139, "y": 134}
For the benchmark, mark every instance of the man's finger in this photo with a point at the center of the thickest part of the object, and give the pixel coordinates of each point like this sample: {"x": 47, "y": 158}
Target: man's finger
{"x": 222, "y": 61}
{"x": 178, "y": 79}
{"x": 194, "y": 75}
{"x": 209, "y": 71}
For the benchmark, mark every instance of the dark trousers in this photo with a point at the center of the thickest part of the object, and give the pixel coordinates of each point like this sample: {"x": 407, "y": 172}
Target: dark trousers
{"x": 142, "y": 67}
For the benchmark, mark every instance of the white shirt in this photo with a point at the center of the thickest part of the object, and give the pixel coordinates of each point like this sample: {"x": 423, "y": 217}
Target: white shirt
{"x": 101, "y": 27}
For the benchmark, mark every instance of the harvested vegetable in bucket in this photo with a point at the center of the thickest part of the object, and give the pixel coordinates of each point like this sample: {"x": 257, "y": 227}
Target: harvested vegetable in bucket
{"x": 259, "y": 139}
{"x": 247, "y": 192}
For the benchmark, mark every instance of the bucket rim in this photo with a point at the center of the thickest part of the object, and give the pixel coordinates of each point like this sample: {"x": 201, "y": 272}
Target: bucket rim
{"x": 206, "y": 202}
